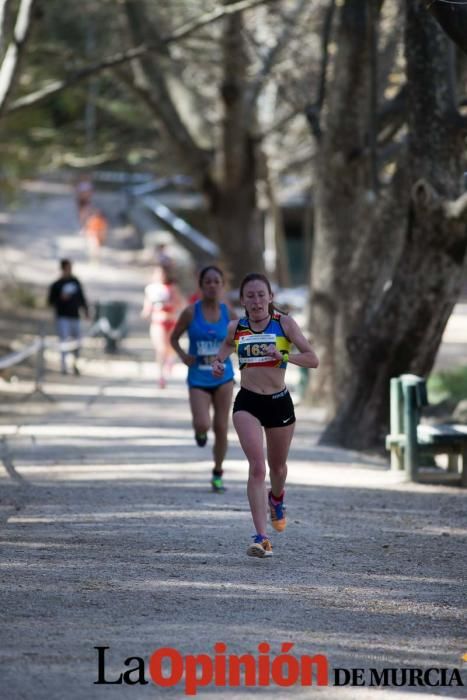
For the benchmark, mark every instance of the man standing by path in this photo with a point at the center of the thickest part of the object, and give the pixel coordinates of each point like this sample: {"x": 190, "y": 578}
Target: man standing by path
{"x": 67, "y": 297}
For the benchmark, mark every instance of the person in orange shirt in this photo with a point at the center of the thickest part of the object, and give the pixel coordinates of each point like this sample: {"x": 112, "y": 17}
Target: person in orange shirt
{"x": 95, "y": 229}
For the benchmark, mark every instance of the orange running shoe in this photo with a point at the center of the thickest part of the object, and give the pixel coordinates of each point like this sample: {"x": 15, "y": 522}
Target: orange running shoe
{"x": 277, "y": 511}
{"x": 260, "y": 547}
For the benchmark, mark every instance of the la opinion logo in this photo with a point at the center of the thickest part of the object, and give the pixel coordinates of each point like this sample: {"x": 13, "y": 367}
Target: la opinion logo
{"x": 168, "y": 667}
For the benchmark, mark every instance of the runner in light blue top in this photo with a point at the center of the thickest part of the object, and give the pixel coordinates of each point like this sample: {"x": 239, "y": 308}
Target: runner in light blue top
{"x": 206, "y": 323}
{"x": 206, "y": 337}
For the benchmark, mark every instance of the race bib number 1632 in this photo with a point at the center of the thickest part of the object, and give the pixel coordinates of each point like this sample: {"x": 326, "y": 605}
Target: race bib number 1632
{"x": 254, "y": 349}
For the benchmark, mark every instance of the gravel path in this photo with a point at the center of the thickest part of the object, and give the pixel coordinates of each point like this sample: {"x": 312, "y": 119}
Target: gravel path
{"x": 110, "y": 537}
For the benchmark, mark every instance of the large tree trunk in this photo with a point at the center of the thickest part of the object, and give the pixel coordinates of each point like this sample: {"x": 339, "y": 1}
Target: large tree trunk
{"x": 403, "y": 329}
{"x": 407, "y": 330}
{"x": 233, "y": 200}
{"x": 340, "y": 204}
{"x": 227, "y": 174}
{"x": 452, "y": 16}
{"x": 239, "y": 229}
{"x": 358, "y": 229}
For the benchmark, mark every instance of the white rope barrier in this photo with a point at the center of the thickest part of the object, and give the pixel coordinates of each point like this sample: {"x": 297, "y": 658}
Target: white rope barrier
{"x": 102, "y": 325}
{"x": 15, "y": 358}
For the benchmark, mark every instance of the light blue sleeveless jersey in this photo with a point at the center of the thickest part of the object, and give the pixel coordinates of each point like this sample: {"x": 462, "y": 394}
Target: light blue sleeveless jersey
{"x": 205, "y": 341}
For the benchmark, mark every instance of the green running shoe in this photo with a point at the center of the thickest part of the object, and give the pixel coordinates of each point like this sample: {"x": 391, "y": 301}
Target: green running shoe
{"x": 201, "y": 439}
{"x": 217, "y": 484}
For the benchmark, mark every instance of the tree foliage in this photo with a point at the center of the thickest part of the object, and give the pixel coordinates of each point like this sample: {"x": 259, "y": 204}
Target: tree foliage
{"x": 187, "y": 87}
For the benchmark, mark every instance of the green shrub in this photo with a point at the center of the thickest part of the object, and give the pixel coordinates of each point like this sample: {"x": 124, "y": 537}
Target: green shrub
{"x": 21, "y": 295}
{"x": 448, "y": 385}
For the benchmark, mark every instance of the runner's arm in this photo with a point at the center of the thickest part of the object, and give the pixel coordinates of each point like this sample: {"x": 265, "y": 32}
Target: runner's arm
{"x": 306, "y": 357}
{"x": 227, "y": 347}
{"x": 181, "y": 327}
{"x": 178, "y": 299}
{"x": 147, "y": 306}
{"x": 82, "y": 300}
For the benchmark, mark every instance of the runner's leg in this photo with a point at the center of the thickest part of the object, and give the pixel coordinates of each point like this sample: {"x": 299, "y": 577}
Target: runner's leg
{"x": 63, "y": 334}
{"x": 250, "y": 434}
{"x": 75, "y": 334}
{"x": 278, "y": 443}
{"x": 222, "y": 400}
{"x": 167, "y": 352}
{"x": 200, "y": 401}
{"x": 155, "y": 332}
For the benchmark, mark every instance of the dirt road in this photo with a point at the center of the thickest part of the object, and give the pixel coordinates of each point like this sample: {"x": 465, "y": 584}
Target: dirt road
{"x": 110, "y": 537}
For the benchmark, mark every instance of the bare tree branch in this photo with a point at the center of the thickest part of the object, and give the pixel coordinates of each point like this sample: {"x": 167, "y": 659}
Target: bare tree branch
{"x": 174, "y": 99}
{"x": 3, "y": 9}
{"x": 162, "y": 90}
{"x": 58, "y": 85}
{"x": 280, "y": 123}
{"x": 313, "y": 110}
{"x": 14, "y": 52}
{"x": 456, "y": 209}
{"x": 304, "y": 160}
{"x": 131, "y": 54}
{"x": 210, "y": 17}
{"x": 196, "y": 158}
{"x": 274, "y": 53}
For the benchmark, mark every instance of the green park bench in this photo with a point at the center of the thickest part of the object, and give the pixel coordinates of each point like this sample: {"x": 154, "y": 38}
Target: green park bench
{"x": 410, "y": 441}
{"x": 110, "y": 323}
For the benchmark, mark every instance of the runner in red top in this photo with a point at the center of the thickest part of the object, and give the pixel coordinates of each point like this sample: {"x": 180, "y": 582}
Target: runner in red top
{"x": 163, "y": 302}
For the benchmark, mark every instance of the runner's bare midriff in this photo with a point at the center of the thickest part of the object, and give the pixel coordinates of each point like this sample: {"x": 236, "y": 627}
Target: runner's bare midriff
{"x": 263, "y": 380}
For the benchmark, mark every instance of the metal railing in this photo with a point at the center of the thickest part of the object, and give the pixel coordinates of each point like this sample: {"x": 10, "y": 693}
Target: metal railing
{"x": 193, "y": 238}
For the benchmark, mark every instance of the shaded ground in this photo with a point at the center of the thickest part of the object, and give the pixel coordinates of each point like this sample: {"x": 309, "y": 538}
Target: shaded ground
{"x": 111, "y": 537}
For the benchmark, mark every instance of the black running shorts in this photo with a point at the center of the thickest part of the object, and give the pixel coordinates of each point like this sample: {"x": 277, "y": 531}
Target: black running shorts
{"x": 272, "y": 410}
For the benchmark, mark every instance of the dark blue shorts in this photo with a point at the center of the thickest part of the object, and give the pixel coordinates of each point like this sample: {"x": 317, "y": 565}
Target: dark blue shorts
{"x": 210, "y": 389}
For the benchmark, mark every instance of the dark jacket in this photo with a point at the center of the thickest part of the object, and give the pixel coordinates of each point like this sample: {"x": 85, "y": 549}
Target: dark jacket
{"x": 67, "y": 297}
